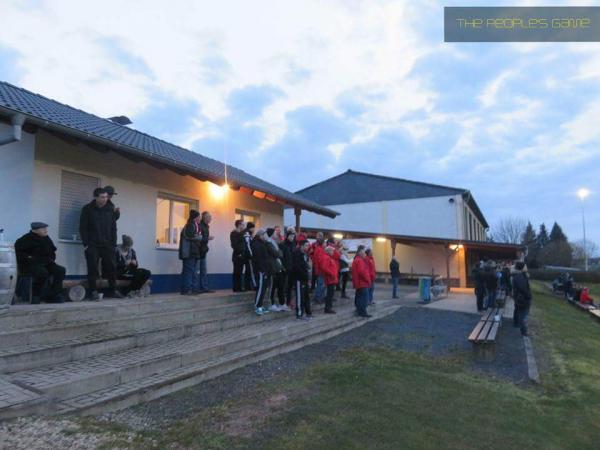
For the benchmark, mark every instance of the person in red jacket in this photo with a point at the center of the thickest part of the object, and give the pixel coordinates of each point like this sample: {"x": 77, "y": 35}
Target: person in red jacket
{"x": 585, "y": 297}
{"x": 361, "y": 279}
{"x": 371, "y": 261}
{"x": 318, "y": 252}
{"x": 329, "y": 269}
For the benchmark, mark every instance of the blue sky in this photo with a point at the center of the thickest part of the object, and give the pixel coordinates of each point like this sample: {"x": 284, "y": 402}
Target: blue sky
{"x": 296, "y": 92}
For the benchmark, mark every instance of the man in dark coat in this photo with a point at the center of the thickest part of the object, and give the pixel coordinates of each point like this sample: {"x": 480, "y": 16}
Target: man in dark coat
{"x": 490, "y": 281}
{"x": 261, "y": 266}
{"x": 205, "y": 232}
{"x": 36, "y": 256}
{"x": 287, "y": 249}
{"x": 249, "y": 278}
{"x": 98, "y": 231}
{"x": 522, "y": 297}
{"x": 111, "y": 193}
{"x": 479, "y": 285}
{"x": 301, "y": 273}
{"x": 236, "y": 237}
{"x": 395, "y": 273}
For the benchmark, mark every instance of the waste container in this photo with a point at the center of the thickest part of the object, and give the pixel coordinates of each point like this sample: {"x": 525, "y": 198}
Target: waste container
{"x": 425, "y": 288}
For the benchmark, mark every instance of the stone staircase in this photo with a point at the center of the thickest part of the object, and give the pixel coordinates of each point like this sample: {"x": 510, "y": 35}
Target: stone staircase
{"x": 94, "y": 357}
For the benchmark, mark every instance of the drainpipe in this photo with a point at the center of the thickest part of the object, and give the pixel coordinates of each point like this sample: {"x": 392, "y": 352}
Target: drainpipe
{"x": 17, "y": 121}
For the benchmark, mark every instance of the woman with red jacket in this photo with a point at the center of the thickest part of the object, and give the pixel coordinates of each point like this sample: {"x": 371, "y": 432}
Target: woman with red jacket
{"x": 329, "y": 270}
{"x": 371, "y": 261}
{"x": 361, "y": 279}
{"x": 586, "y": 298}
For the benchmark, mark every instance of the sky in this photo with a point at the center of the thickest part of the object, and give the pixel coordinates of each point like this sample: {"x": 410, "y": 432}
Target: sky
{"x": 299, "y": 91}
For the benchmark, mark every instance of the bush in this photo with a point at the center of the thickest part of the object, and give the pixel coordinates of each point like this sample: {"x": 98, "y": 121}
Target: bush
{"x": 579, "y": 277}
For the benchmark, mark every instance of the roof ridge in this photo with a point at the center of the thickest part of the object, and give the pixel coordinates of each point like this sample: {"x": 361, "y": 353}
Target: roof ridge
{"x": 325, "y": 180}
{"x": 405, "y": 180}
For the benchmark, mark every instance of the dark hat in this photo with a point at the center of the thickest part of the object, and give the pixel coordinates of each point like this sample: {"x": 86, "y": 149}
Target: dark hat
{"x": 250, "y": 225}
{"x": 270, "y": 231}
{"x": 194, "y": 214}
{"x": 127, "y": 241}
{"x": 38, "y": 225}
{"x": 110, "y": 190}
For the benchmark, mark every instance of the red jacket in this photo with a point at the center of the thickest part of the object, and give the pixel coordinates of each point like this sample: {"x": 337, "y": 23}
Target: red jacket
{"x": 361, "y": 276}
{"x": 371, "y": 262}
{"x": 585, "y": 297}
{"x": 318, "y": 252}
{"x": 329, "y": 270}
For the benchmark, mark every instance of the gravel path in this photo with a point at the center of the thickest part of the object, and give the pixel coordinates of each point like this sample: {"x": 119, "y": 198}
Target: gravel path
{"x": 422, "y": 330}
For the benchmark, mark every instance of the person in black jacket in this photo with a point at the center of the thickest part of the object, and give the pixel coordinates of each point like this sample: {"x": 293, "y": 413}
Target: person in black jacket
{"x": 301, "y": 274}
{"x": 203, "y": 243}
{"x": 36, "y": 256}
{"x": 249, "y": 279}
{"x": 98, "y": 231}
{"x": 395, "y": 273}
{"x": 236, "y": 237}
{"x": 478, "y": 275}
{"x": 189, "y": 254}
{"x": 111, "y": 193}
{"x": 490, "y": 281}
{"x": 287, "y": 248}
{"x": 522, "y": 297}
{"x": 260, "y": 264}
{"x": 128, "y": 267}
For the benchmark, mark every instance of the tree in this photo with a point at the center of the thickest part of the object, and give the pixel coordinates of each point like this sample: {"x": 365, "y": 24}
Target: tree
{"x": 578, "y": 252}
{"x": 556, "y": 234}
{"x": 528, "y": 239}
{"x": 557, "y": 253}
{"x": 509, "y": 230}
{"x": 542, "y": 237}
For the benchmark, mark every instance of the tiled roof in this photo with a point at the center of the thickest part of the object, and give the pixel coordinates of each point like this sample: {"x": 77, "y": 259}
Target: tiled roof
{"x": 48, "y": 113}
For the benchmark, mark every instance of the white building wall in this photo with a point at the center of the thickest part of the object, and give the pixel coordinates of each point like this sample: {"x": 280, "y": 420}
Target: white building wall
{"x": 138, "y": 185}
{"x": 16, "y": 174}
{"x": 431, "y": 217}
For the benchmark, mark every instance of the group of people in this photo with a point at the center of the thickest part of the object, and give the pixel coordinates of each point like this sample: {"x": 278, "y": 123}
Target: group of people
{"x": 490, "y": 277}
{"x": 36, "y": 254}
{"x": 286, "y": 268}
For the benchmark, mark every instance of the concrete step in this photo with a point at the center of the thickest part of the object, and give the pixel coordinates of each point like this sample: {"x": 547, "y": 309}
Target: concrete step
{"x": 158, "y": 385}
{"x": 123, "y": 377}
{"x": 19, "y": 317}
{"x": 79, "y": 341}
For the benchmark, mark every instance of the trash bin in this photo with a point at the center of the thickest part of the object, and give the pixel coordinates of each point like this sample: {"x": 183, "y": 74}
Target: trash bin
{"x": 425, "y": 288}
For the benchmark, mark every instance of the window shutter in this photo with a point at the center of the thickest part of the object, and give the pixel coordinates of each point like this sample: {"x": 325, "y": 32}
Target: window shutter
{"x": 75, "y": 191}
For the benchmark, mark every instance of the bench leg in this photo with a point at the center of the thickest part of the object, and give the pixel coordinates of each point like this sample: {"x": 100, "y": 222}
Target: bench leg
{"x": 484, "y": 351}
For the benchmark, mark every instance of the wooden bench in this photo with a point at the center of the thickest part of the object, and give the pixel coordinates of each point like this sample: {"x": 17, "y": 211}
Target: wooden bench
{"x": 595, "y": 313}
{"x": 76, "y": 288}
{"x": 483, "y": 336}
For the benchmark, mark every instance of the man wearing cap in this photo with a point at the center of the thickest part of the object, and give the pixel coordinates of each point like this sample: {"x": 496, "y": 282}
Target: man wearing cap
{"x": 36, "y": 255}
{"x": 111, "y": 193}
{"x": 98, "y": 231}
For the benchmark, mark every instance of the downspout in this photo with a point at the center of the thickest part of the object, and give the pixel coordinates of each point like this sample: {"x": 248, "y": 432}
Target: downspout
{"x": 17, "y": 121}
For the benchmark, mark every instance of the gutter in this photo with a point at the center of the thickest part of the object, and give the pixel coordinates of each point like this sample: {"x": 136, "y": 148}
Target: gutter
{"x": 192, "y": 170}
{"x": 16, "y": 120}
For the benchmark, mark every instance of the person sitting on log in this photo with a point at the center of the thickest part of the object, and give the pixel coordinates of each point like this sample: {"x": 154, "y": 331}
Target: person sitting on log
{"x": 128, "y": 268}
{"x": 585, "y": 298}
{"x": 36, "y": 256}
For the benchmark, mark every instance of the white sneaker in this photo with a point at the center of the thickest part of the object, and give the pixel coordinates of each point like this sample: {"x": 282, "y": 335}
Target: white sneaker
{"x": 274, "y": 308}
{"x": 259, "y": 311}
{"x": 284, "y": 308}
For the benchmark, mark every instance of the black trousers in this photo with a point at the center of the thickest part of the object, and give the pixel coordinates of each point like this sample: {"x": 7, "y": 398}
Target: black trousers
{"x": 41, "y": 274}
{"x": 329, "y": 297}
{"x": 278, "y": 286}
{"x": 480, "y": 295}
{"x": 302, "y": 298}
{"x": 261, "y": 288}
{"x": 250, "y": 281}
{"x": 238, "y": 269}
{"x": 344, "y": 282}
{"x": 138, "y": 278}
{"x": 92, "y": 256}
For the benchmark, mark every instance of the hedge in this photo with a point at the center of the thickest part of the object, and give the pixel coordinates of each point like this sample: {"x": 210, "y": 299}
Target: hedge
{"x": 579, "y": 277}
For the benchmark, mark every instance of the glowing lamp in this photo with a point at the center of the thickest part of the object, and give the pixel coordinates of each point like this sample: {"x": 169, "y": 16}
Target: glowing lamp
{"x": 583, "y": 193}
{"x": 381, "y": 239}
{"x": 218, "y": 192}
{"x": 338, "y": 236}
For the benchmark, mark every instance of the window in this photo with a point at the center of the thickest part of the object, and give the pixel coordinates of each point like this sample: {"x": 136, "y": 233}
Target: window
{"x": 76, "y": 191}
{"x": 248, "y": 216}
{"x": 171, "y": 216}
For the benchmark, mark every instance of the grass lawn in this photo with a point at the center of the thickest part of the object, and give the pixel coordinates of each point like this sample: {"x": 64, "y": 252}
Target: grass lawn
{"x": 394, "y": 399}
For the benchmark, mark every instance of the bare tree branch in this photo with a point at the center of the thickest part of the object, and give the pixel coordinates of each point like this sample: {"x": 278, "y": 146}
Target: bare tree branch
{"x": 509, "y": 230}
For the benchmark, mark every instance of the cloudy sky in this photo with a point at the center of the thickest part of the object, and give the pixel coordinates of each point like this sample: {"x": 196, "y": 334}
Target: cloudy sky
{"x": 298, "y": 91}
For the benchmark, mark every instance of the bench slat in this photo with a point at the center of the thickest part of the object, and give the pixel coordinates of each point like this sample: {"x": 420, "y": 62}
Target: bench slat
{"x": 484, "y": 332}
{"x": 491, "y": 337}
{"x": 476, "y": 331}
